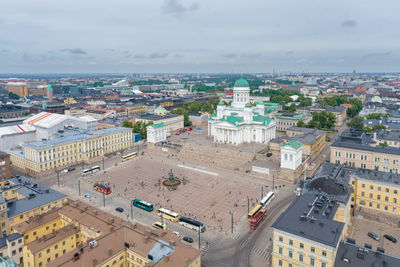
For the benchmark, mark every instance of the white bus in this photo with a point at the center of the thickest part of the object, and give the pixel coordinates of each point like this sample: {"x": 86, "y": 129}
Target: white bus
{"x": 267, "y": 199}
{"x": 192, "y": 224}
{"x": 168, "y": 214}
{"x": 91, "y": 170}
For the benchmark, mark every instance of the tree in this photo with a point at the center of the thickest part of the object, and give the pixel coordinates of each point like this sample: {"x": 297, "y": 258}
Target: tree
{"x": 207, "y": 107}
{"x": 305, "y": 102}
{"x": 375, "y": 116}
{"x": 301, "y": 124}
{"x": 291, "y": 108}
{"x": 12, "y": 95}
{"x": 127, "y": 124}
{"x": 322, "y": 119}
{"x": 356, "y": 123}
{"x": 384, "y": 144}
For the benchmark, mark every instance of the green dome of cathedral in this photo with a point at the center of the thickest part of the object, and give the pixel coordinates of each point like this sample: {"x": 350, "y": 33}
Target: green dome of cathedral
{"x": 241, "y": 83}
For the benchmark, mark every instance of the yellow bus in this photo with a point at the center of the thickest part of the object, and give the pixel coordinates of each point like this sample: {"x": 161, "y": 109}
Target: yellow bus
{"x": 168, "y": 214}
{"x": 129, "y": 156}
{"x": 253, "y": 212}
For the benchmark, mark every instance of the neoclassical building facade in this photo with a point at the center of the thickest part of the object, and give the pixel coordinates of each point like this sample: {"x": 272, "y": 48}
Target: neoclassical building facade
{"x": 241, "y": 122}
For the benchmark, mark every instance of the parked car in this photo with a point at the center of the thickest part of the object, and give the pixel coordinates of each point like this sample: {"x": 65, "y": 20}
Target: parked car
{"x": 159, "y": 225}
{"x": 177, "y": 234}
{"x": 65, "y": 170}
{"x": 119, "y": 209}
{"x": 88, "y": 195}
{"x": 390, "y": 238}
{"x": 374, "y": 236}
{"x": 72, "y": 168}
{"x": 188, "y": 239}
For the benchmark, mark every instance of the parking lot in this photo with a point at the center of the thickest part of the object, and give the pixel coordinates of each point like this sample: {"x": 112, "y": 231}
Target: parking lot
{"x": 360, "y": 234}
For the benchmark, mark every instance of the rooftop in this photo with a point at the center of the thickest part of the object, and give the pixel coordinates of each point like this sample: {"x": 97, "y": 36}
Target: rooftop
{"x": 294, "y": 144}
{"x": 361, "y": 141}
{"x": 161, "y": 248}
{"x": 74, "y": 136}
{"x": 9, "y": 238}
{"x": 310, "y": 216}
{"x": 35, "y": 195}
{"x": 351, "y": 255}
{"x": 153, "y": 117}
{"x": 52, "y": 238}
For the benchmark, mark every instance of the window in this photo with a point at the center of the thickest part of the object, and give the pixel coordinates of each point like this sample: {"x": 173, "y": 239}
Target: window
{"x": 40, "y": 255}
{"x": 280, "y": 239}
{"x": 379, "y": 188}
{"x": 290, "y": 265}
{"x": 48, "y": 259}
{"x": 40, "y": 264}
{"x": 386, "y": 208}
{"x": 371, "y": 187}
{"x": 56, "y": 247}
{"x": 395, "y": 192}
{"x": 323, "y": 264}
{"x": 47, "y": 228}
{"x": 387, "y": 190}
{"x": 280, "y": 250}
{"x": 290, "y": 242}
{"x": 371, "y": 195}
{"x": 379, "y": 197}
{"x": 312, "y": 249}
{"x": 362, "y": 194}
{"x": 312, "y": 261}
{"x": 48, "y": 250}
{"x": 301, "y": 257}
{"x": 290, "y": 254}
{"x": 280, "y": 263}
{"x": 370, "y": 204}
{"x": 363, "y": 185}
{"x": 378, "y": 206}
{"x": 302, "y": 245}
{"x": 394, "y": 200}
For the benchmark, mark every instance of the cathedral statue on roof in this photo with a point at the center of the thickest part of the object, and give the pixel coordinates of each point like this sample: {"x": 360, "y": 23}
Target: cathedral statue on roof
{"x": 241, "y": 122}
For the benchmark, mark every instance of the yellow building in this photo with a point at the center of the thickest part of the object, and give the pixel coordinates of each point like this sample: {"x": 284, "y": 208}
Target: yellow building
{"x": 39, "y": 226}
{"x": 308, "y": 233}
{"x": 18, "y": 88}
{"x": 80, "y": 235}
{"x": 27, "y": 198}
{"x": 43, "y": 157}
{"x": 70, "y": 101}
{"x": 313, "y": 140}
{"x": 41, "y": 252}
{"x": 136, "y": 109}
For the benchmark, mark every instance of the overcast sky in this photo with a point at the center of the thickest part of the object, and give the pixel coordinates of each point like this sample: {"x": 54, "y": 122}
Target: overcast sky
{"x": 61, "y": 36}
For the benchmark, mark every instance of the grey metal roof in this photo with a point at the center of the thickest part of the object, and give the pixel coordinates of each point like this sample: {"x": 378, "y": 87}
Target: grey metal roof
{"x": 9, "y": 238}
{"x": 310, "y": 216}
{"x": 360, "y": 141}
{"x": 387, "y": 135}
{"x": 350, "y": 255}
{"x": 343, "y": 173}
{"x": 152, "y": 117}
{"x": 36, "y": 194}
{"x": 68, "y": 138}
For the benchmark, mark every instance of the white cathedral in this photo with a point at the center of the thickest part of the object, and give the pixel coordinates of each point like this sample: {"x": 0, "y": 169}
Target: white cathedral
{"x": 241, "y": 122}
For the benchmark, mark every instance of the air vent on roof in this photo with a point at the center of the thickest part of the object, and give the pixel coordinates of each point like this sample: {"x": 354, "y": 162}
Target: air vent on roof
{"x": 360, "y": 255}
{"x": 351, "y": 241}
{"x": 303, "y": 218}
{"x": 312, "y": 220}
{"x": 368, "y": 246}
{"x": 316, "y": 211}
{"x": 150, "y": 257}
{"x": 321, "y": 224}
{"x": 31, "y": 195}
{"x": 381, "y": 250}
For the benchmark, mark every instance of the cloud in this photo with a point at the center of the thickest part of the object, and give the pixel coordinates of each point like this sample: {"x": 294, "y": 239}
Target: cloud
{"x": 109, "y": 50}
{"x": 76, "y": 51}
{"x": 382, "y": 54}
{"x": 139, "y": 56}
{"x": 229, "y": 55}
{"x": 4, "y": 51}
{"x": 289, "y": 53}
{"x": 176, "y": 8}
{"x": 158, "y": 55}
{"x": 349, "y": 23}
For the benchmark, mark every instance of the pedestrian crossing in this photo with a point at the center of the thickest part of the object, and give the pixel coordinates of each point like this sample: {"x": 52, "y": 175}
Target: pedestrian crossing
{"x": 236, "y": 236}
{"x": 261, "y": 252}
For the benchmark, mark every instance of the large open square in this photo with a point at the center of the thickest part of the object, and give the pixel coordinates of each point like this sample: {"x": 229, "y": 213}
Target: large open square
{"x": 204, "y": 195}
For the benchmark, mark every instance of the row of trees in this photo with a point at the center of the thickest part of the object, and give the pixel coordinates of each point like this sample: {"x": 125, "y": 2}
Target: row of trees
{"x": 320, "y": 120}
{"x": 339, "y": 100}
{"x": 358, "y": 123}
{"x": 194, "y": 107}
{"x": 139, "y": 127}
